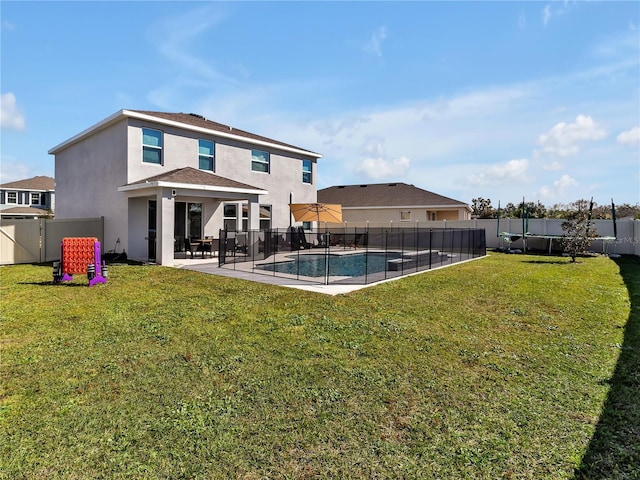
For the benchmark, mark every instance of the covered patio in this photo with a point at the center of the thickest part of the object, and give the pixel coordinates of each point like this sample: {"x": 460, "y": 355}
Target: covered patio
{"x": 182, "y": 211}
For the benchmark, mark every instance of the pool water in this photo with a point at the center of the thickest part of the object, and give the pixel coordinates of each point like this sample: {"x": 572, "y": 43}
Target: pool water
{"x": 353, "y": 265}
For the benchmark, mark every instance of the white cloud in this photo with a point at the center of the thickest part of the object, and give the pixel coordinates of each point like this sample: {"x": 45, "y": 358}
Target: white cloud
{"x": 553, "y": 166}
{"x": 559, "y": 189}
{"x": 512, "y": 171}
{"x": 560, "y": 8}
{"x": 175, "y": 36}
{"x": 374, "y": 45}
{"x": 333, "y": 127}
{"x": 564, "y": 138}
{"x": 381, "y": 168}
{"x": 630, "y": 137}
{"x": 11, "y": 170}
{"x": 546, "y": 14}
{"x": 522, "y": 21}
{"x": 376, "y": 165}
{"x": 11, "y": 118}
{"x": 6, "y": 25}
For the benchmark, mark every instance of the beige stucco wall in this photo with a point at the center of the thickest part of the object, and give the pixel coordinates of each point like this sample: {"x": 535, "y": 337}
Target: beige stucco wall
{"x": 388, "y": 215}
{"x": 233, "y": 161}
{"x": 88, "y": 175}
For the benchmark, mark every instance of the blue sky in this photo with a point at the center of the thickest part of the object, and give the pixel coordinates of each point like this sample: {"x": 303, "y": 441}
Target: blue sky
{"x": 502, "y": 100}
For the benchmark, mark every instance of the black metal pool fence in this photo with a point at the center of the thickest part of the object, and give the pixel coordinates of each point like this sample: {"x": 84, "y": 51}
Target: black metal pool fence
{"x": 348, "y": 255}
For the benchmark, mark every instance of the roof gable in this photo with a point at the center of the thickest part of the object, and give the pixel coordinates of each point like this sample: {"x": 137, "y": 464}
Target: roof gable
{"x": 40, "y": 183}
{"x": 384, "y": 195}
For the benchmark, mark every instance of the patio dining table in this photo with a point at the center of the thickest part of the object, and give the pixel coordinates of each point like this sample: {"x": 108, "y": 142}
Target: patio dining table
{"x": 207, "y": 245}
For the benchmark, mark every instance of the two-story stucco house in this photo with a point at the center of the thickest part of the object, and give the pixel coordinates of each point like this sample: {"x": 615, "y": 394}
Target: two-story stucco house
{"x": 29, "y": 198}
{"x": 157, "y": 178}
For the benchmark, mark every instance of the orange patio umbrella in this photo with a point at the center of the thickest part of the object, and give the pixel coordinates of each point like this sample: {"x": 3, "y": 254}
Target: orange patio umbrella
{"x": 316, "y": 212}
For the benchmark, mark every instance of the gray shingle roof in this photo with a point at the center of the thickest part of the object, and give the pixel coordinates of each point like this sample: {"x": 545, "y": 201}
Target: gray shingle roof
{"x": 384, "y": 195}
{"x": 199, "y": 121}
{"x": 193, "y": 176}
{"x": 42, "y": 183}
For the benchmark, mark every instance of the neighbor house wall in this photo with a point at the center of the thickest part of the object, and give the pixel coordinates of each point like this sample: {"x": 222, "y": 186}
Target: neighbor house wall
{"x": 88, "y": 174}
{"x": 385, "y": 215}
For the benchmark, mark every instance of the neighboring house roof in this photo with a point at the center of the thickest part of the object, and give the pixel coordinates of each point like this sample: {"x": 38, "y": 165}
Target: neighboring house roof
{"x": 30, "y": 211}
{"x": 385, "y": 195}
{"x": 40, "y": 183}
{"x": 188, "y": 121}
{"x": 195, "y": 178}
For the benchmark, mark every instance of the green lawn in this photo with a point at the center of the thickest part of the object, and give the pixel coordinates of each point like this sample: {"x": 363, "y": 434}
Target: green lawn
{"x": 512, "y": 366}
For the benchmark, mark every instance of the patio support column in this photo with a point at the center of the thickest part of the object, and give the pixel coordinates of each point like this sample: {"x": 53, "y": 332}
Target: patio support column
{"x": 254, "y": 213}
{"x": 253, "y": 222}
{"x": 165, "y": 227}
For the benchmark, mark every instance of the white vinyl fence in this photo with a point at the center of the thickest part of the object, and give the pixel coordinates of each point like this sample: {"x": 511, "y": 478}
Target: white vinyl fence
{"x": 38, "y": 240}
{"x": 627, "y": 239}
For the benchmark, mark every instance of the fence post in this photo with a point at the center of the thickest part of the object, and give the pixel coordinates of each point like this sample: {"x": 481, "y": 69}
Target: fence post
{"x": 430, "y": 246}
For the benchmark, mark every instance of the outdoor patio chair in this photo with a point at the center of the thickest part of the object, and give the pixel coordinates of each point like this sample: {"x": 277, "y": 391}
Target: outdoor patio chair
{"x": 230, "y": 246}
{"x": 241, "y": 243}
{"x": 214, "y": 246}
{"x": 189, "y": 247}
{"x": 210, "y": 246}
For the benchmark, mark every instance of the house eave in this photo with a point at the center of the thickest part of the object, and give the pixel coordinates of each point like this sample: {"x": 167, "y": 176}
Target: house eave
{"x": 205, "y": 188}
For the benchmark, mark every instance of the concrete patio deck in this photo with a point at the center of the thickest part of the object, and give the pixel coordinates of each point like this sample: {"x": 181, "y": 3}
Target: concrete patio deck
{"x": 210, "y": 266}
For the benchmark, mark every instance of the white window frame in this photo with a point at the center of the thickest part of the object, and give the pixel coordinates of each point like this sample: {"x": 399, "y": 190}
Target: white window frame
{"x": 15, "y": 198}
{"x": 154, "y": 147}
{"x": 260, "y": 161}
{"x": 226, "y": 218}
{"x": 309, "y": 171}
{"x": 211, "y": 158}
{"x": 35, "y": 195}
{"x": 265, "y": 219}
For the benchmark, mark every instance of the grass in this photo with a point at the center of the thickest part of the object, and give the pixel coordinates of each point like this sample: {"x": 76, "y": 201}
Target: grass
{"x": 512, "y": 366}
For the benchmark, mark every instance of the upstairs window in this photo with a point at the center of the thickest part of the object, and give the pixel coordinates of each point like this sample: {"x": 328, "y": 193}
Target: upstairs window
{"x": 260, "y": 161}
{"x": 12, "y": 197}
{"x": 306, "y": 171}
{"x": 206, "y": 158}
{"x": 151, "y": 146}
{"x": 35, "y": 199}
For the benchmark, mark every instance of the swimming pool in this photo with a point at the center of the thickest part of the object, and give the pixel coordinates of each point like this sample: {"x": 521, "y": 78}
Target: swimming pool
{"x": 352, "y": 265}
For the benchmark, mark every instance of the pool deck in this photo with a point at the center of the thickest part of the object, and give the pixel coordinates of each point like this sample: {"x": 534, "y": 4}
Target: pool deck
{"x": 244, "y": 270}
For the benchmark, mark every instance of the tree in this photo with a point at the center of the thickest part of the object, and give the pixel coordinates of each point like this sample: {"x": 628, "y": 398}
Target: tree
{"x": 579, "y": 232}
{"x": 482, "y": 208}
